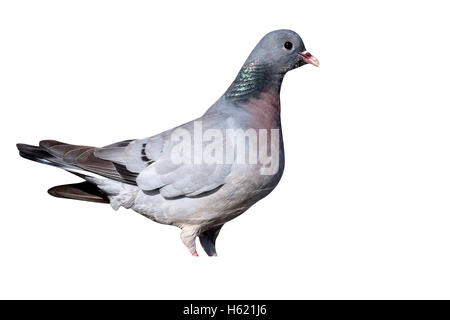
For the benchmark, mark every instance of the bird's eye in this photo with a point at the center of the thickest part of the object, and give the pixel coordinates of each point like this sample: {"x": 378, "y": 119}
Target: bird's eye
{"x": 288, "y": 45}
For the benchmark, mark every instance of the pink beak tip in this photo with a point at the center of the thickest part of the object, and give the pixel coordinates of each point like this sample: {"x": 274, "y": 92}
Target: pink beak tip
{"x": 309, "y": 58}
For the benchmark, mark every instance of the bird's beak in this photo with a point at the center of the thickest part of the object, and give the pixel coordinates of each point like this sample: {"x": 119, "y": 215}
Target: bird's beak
{"x": 309, "y": 58}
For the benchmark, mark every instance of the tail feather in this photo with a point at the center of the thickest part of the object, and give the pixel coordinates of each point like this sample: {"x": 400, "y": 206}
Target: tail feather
{"x": 81, "y": 161}
{"x": 84, "y": 191}
{"x": 38, "y": 154}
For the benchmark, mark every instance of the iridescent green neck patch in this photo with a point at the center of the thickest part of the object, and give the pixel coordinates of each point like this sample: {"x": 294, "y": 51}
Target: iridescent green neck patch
{"x": 251, "y": 80}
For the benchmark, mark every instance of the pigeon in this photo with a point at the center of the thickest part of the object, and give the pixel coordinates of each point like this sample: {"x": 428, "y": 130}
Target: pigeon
{"x": 201, "y": 174}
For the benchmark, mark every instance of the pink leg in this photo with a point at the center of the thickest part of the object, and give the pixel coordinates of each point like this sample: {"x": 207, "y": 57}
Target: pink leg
{"x": 188, "y": 235}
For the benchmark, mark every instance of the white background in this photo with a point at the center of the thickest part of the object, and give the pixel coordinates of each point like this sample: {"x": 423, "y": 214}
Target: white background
{"x": 362, "y": 211}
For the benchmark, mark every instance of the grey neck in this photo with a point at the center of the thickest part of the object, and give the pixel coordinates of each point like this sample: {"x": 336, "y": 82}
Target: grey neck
{"x": 252, "y": 79}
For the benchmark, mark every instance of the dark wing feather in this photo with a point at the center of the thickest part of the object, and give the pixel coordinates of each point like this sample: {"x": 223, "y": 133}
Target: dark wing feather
{"x": 83, "y": 157}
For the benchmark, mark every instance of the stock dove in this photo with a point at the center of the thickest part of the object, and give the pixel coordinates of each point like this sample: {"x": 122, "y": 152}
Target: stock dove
{"x": 199, "y": 175}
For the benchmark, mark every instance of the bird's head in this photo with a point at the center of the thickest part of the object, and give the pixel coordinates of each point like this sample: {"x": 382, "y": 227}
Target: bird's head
{"x": 283, "y": 50}
{"x": 277, "y": 53}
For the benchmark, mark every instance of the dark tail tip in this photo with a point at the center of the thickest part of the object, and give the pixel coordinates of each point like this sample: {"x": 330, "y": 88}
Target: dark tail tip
{"x": 21, "y": 146}
{"x": 32, "y": 152}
